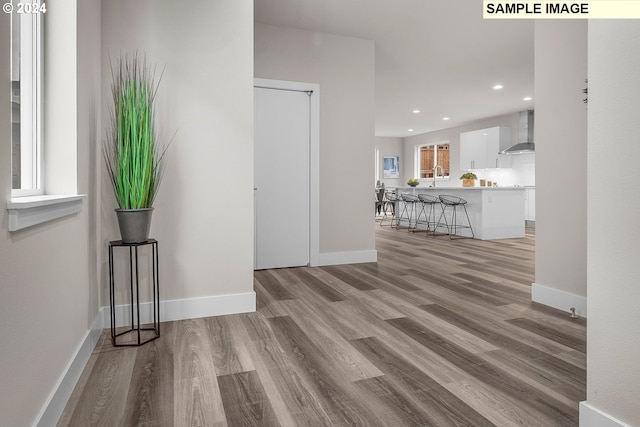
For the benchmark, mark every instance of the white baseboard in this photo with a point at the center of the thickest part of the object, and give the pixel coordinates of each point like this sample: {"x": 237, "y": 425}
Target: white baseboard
{"x": 169, "y": 310}
{"x": 559, "y": 299}
{"x": 191, "y": 308}
{"x": 352, "y": 257}
{"x": 593, "y": 417}
{"x": 55, "y": 404}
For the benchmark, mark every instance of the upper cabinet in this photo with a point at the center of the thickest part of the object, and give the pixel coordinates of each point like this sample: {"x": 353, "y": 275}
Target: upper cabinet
{"x": 479, "y": 149}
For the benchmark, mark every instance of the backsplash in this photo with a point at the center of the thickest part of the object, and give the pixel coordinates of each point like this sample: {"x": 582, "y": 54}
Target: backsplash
{"x": 522, "y": 172}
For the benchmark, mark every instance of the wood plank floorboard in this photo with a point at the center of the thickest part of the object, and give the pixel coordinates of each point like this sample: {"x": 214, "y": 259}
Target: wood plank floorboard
{"x": 522, "y": 294}
{"x": 474, "y": 365}
{"x": 194, "y": 381}
{"x": 151, "y": 385}
{"x": 390, "y": 278}
{"x": 274, "y": 286}
{"x": 548, "y": 367}
{"x": 342, "y": 407}
{"x": 104, "y": 398}
{"x": 316, "y": 285}
{"x": 245, "y": 402}
{"x": 437, "y": 333}
{"x": 553, "y": 334}
{"x": 351, "y": 279}
{"x": 503, "y": 273}
{"x": 442, "y": 407}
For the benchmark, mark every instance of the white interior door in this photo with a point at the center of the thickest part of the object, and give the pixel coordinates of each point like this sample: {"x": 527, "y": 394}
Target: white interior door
{"x": 281, "y": 178}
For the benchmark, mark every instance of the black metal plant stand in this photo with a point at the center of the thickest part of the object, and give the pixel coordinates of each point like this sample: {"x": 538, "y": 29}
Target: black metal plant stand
{"x": 135, "y": 327}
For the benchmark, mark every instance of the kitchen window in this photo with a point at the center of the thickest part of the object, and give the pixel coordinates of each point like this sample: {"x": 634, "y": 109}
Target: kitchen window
{"x": 428, "y": 156}
{"x": 26, "y": 99}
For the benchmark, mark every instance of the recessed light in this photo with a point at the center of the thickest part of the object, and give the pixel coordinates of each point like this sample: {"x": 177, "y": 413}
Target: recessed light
{"x": 445, "y": 118}
{"x": 415, "y": 111}
{"x": 498, "y": 87}
{"x": 527, "y": 98}
{"x": 409, "y": 130}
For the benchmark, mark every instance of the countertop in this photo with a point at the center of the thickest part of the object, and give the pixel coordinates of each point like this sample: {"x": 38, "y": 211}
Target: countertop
{"x": 421, "y": 187}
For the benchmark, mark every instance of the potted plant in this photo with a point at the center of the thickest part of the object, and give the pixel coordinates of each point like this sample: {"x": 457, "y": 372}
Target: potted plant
{"x": 469, "y": 179}
{"x": 412, "y": 182}
{"x": 132, "y": 154}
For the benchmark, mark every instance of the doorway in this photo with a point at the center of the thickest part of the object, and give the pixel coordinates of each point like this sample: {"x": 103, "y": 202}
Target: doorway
{"x": 285, "y": 174}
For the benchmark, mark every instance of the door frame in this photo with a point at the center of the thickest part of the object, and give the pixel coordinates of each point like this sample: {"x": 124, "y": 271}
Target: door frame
{"x": 314, "y": 155}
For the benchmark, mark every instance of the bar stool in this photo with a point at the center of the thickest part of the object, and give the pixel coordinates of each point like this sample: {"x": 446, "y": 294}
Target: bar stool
{"x": 390, "y": 200}
{"x": 408, "y": 208}
{"x": 427, "y": 212}
{"x": 379, "y": 201}
{"x": 454, "y": 203}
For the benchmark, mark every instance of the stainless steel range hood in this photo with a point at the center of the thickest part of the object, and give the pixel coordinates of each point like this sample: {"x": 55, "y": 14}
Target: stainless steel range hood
{"x": 525, "y": 143}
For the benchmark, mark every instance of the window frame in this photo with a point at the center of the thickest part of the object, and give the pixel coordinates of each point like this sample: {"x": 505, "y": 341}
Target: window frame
{"x": 30, "y": 207}
{"x": 31, "y": 104}
{"x": 418, "y": 159}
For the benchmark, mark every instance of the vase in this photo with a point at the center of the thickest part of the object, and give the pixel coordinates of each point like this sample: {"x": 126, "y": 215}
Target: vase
{"x": 134, "y": 224}
{"x": 468, "y": 182}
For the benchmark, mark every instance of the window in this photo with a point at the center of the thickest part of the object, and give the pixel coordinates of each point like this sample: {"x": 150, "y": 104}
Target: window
{"x": 430, "y": 156}
{"x": 27, "y": 146}
{"x": 26, "y": 98}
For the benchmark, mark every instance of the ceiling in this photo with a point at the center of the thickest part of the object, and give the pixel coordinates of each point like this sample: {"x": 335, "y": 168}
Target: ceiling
{"x": 436, "y": 56}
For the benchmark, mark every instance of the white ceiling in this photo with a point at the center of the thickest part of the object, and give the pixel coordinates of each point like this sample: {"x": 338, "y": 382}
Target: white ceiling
{"x": 438, "y": 56}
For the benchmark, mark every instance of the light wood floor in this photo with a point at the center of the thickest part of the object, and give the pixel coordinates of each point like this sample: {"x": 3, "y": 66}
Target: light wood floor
{"x": 436, "y": 333}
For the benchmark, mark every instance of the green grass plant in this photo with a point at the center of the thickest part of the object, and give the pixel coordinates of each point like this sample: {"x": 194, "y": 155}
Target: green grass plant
{"x": 133, "y": 156}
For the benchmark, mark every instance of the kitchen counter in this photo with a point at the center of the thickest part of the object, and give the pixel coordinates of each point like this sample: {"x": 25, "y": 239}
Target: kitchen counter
{"x": 424, "y": 187}
{"x": 494, "y": 212}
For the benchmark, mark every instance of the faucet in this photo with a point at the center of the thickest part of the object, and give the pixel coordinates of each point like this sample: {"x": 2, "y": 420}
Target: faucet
{"x": 435, "y": 173}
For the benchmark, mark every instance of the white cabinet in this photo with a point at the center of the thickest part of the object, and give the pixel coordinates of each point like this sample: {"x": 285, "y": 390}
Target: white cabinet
{"x": 479, "y": 149}
{"x": 470, "y": 150}
{"x": 530, "y": 204}
{"x": 498, "y": 138}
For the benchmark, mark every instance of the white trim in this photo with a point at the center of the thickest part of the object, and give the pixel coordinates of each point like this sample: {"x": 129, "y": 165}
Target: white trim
{"x": 352, "y": 257}
{"x": 559, "y": 299}
{"x": 314, "y": 177}
{"x": 191, "y": 308}
{"x": 591, "y": 416}
{"x": 57, "y": 400}
{"x": 314, "y": 156}
{"x": 28, "y": 211}
{"x": 417, "y": 160}
{"x": 31, "y": 76}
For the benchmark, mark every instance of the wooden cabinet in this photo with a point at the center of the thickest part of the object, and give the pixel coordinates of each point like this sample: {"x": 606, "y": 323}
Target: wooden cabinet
{"x": 479, "y": 148}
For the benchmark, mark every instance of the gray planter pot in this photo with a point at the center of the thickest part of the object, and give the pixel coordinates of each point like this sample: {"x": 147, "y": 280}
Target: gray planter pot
{"x": 134, "y": 224}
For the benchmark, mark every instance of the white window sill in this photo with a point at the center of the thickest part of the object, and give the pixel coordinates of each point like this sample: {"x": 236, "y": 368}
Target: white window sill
{"x": 32, "y": 210}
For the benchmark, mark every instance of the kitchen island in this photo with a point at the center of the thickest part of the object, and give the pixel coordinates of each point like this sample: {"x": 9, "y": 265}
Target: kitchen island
{"x": 494, "y": 212}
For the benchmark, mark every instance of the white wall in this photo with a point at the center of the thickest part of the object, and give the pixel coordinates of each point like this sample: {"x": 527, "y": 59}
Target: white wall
{"x": 47, "y": 289}
{"x": 53, "y": 277}
{"x": 390, "y": 146}
{"x": 613, "y": 351}
{"x": 561, "y": 164}
{"x": 203, "y": 217}
{"x": 344, "y": 69}
{"x": 522, "y": 172}
{"x": 89, "y": 135}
